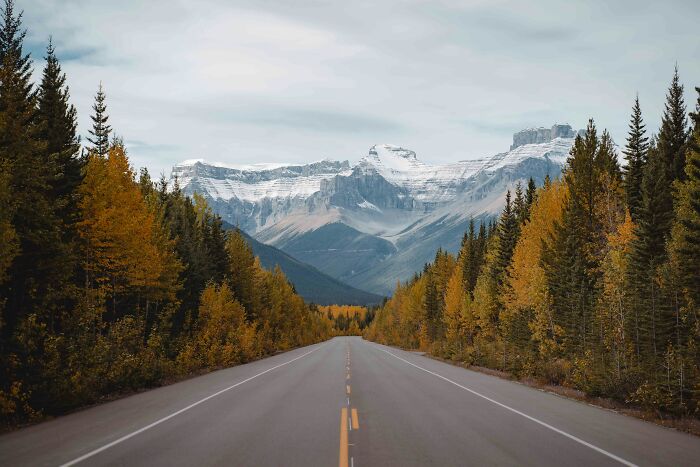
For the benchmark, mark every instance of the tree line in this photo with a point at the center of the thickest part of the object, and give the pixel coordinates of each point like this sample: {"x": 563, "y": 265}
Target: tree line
{"x": 349, "y": 320}
{"x": 590, "y": 281}
{"x": 111, "y": 281}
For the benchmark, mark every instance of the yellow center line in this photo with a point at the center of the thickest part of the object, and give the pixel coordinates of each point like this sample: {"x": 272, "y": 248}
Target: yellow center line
{"x": 343, "y": 455}
{"x": 347, "y": 388}
{"x": 355, "y": 420}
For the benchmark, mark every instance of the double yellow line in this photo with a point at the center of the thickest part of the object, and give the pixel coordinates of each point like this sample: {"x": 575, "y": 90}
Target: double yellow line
{"x": 353, "y": 422}
{"x": 347, "y": 423}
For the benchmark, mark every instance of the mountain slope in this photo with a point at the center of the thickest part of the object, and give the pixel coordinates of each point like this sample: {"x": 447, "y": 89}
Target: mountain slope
{"x": 378, "y": 221}
{"x": 312, "y": 284}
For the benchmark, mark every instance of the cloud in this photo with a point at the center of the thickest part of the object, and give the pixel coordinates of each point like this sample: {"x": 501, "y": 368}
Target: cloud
{"x": 251, "y": 81}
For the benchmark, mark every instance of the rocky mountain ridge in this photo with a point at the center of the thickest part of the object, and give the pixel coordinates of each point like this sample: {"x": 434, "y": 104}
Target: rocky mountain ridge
{"x": 377, "y": 221}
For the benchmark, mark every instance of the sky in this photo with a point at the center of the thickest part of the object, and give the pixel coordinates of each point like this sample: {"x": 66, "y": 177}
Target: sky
{"x": 245, "y": 82}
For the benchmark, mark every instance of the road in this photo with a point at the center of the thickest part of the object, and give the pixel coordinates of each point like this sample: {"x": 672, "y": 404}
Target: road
{"x": 346, "y": 402}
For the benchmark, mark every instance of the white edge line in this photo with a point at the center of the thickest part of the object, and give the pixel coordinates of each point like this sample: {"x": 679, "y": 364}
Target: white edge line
{"x": 533, "y": 419}
{"x": 174, "y": 414}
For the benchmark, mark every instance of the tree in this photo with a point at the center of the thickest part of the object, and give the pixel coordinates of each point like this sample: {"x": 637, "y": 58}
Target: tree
{"x": 530, "y": 194}
{"x": 520, "y": 207}
{"x": 571, "y": 262}
{"x": 127, "y": 253}
{"x": 685, "y": 244}
{"x": 8, "y": 236}
{"x": 508, "y": 232}
{"x": 57, "y": 126}
{"x": 38, "y": 273}
{"x": 606, "y": 158}
{"x": 527, "y": 285}
{"x": 636, "y": 156}
{"x": 674, "y": 131}
{"x": 649, "y": 253}
{"x": 100, "y": 129}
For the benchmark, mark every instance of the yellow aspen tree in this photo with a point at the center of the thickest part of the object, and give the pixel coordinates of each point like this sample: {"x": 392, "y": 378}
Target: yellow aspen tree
{"x": 612, "y": 309}
{"x": 527, "y": 287}
{"x": 127, "y": 250}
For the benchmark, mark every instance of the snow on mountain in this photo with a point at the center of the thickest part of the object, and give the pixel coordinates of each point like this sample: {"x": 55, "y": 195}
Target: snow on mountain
{"x": 255, "y": 182}
{"x": 395, "y": 210}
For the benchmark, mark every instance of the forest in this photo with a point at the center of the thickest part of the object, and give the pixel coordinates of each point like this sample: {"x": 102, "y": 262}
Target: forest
{"x": 591, "y": 281}
{"x": 111, "y": 281}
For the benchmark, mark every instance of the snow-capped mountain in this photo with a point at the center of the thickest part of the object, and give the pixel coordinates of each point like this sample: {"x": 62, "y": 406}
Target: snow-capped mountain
{"x": 380, "y": 220}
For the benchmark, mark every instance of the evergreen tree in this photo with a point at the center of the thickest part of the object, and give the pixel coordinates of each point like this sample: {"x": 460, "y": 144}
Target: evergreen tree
{"x": 686, "y": 231}
{"x": 100, "y": 129}
{"x": 648, "y": 253}
{"x": 674, "y": 131}
{"x": 570, "y": 261}
{"x": 58, "y": 118}
{"x": 606, "y": 158}
{"x": 508, "y": 232}
{"x": 37, "y": 274}
{"x": 57, "y": 122}
{"x": 471, "y": 256}
{"x": 530, "y": 194}
{"x": 520, "y": 207}
{"x": 636, "y": 156}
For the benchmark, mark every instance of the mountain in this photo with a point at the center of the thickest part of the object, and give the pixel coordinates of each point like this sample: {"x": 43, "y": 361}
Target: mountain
{"x": 313, "y": 285}
{"x": 378, "y": 221}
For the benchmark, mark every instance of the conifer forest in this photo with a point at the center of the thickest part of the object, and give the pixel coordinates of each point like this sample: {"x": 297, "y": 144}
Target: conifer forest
{"x": 114, "y": 280}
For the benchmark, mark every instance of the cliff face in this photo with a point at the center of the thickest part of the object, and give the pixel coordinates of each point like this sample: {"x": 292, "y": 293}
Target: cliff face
{"x": 541, "y": 135}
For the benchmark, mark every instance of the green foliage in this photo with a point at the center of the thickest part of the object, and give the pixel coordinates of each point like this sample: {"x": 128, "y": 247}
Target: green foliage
{"x": 100, "y": 129}
{"x": 636, "y": 156}
{"x": 569, "y": 288}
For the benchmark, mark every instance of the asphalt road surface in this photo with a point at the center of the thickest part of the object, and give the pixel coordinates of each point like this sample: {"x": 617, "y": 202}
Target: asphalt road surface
{"x": 347, "y": 402}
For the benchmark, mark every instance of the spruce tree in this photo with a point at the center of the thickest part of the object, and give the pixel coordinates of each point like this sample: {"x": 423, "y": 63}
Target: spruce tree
{"x": 674, "y": 131}
{"x": 520, "y": 204}
{"x": 606, "y": 158}
{"x": 100, "y": 129}
{"x": 530, "y": 194}
{"x": 570, "y": 259}
{"x": 508, "y": 232}
{"x": 636, "y": 156}
{"x": 57, "y": 120}
{"x": 686, "y": 232}
{"x": 649, "y": 253}
{"x": 36, "y": 273}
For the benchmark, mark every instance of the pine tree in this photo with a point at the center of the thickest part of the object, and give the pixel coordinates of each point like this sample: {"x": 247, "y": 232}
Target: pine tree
{"x": 636, "y": 156}
{"x": 686, "y": 231}
{"x": 648, "y": 253}
{"x": 37, "y": 274}
{"x": 100, "y": 129}
{"x": 674, "y": 131}
{"x": 58, "y": 118}
{"x": 570, "y": 261}
{"x": 57, "y": 122}
{"x": 530, "y": 194}
{"x": 520, "y": 207}
{"x": 606, "y": 159}
{"x": 508, "y": 233}
{"x": 471, "y": 256}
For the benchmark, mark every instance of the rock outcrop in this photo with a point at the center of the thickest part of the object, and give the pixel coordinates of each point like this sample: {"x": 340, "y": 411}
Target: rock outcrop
{"x": 541, "y": 135}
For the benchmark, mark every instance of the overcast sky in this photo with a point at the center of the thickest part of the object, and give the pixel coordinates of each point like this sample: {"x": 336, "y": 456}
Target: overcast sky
{"x": 241, "y": 81}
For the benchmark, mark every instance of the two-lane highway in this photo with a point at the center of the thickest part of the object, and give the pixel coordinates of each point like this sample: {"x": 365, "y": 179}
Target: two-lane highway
{"x": 394, "y": 408}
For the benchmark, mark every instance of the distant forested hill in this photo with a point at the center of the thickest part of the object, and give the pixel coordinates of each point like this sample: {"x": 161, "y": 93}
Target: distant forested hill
{"x": 313, "y": 285}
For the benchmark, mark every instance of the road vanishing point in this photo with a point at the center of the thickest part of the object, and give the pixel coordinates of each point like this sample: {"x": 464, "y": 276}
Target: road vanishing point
{"x": 346, "y": 402}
